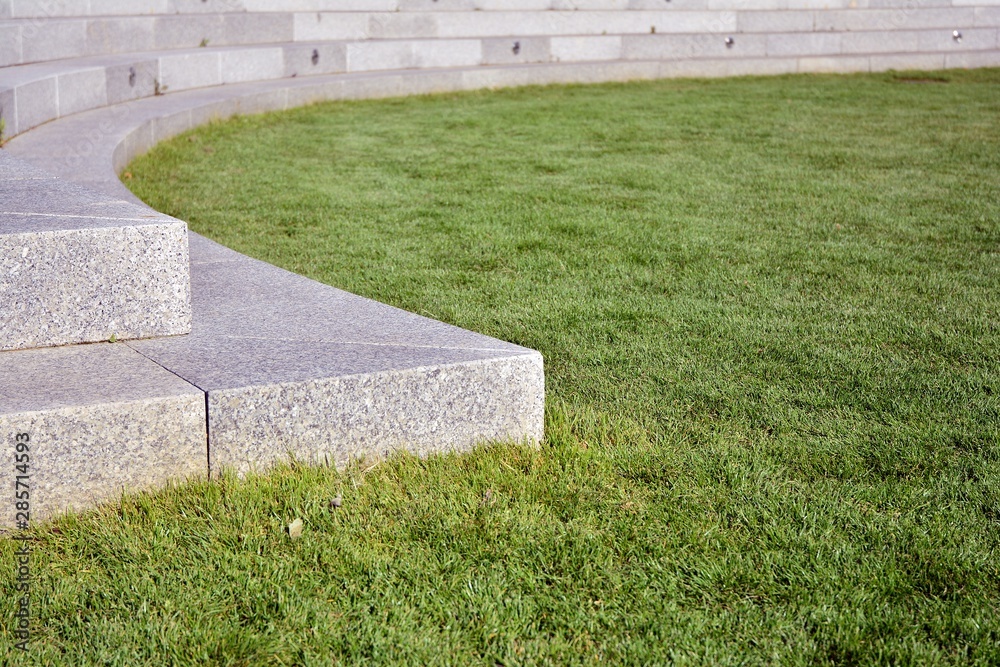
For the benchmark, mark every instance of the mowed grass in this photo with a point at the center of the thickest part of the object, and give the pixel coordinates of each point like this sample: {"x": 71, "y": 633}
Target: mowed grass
{"x": 769, "y": 313}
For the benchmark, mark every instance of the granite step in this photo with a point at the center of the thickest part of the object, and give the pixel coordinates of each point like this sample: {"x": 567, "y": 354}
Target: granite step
{"x": 78, "y": 266}
{"x": 277, "y": 367}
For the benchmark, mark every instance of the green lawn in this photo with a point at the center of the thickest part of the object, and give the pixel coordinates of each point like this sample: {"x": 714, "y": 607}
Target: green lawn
{"x": 770, "y": 314}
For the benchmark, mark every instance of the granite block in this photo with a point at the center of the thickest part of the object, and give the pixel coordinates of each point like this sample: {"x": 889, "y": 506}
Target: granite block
{"x": 186, "y": 31}
{"x": 10, "y": 45}
{"x": 401, "y": 26}
{"x": 324, "y": 372}
{"x": 251, "y": 64}
{"x": 671, "y": 47}
{"x": 187, "y": 70}
{"x": 423, "y": 410}
{"x": 902, "y": 18}
{"x": 976, "y": 39}
{"x": 120, "y": 35}
{"x": 804, "y": 44}
{"x": 98, "y": 419}
{"x": 131, "y": 81}
{"x": 777, "y": 21}
{"x": 170, "y": 125}
{"x": 586, "y": 48}
{"x": 312, "y": 59}
{"x": 403, "y": 54}
{"x": 664, "y": 22}
{"x": 36, "y": 103}
{"x": 500, "y": 24}
{"x": 53, "y": 40}
{"x": 81, "y": 90}
{"x": 48, "y": 8}
{"x": 139, "y": 140}
{"x": 880, "y": 42}
{"x": 507, "y": 51}
{"x": 987, "y": 17}
{"x": 61, "y": 284}
{"x": 318, "y": 26}
{"x": 266, "y": 28}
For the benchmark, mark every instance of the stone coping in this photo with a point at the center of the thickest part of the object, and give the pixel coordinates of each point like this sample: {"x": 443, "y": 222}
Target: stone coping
{"x": 78, "y": 266}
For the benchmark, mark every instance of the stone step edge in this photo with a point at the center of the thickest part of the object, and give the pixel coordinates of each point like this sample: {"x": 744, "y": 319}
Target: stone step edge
{"x": 93, "y": 146}
{"x": 86, "y": 453}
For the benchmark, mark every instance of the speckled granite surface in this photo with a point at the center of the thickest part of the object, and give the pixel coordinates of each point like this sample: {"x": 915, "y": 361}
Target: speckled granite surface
{"x": 296, "y": 368}
{"x": 99, "y": 419}
{"x": 436, "y": 408}
{"x": 78, "y": 267}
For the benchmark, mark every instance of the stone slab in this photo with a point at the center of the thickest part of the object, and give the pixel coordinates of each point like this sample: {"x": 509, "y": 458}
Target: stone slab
{"x": 409, "y": 54}
{"x": 507, "y": 51}
{"x": 82, "y": 90}
{"x": 99, "y": 420}
{"x": 251, "y": 65}
{"x": 436, "y": 408}
{"x": 36, "y": 102}
{"x": 119, "y": 34}
{"x": 53, "y": 40}
{"x": 10, "y": 45}
{"x": 131, "y": 81}
{"x": 78, "y": 267}
{"x": 316, "y": 58}
{"x": 292, "y": 366}
{"x": 676, "y": 47}
{"x": 583, "y": 49}
{"x": 804, "y": 44}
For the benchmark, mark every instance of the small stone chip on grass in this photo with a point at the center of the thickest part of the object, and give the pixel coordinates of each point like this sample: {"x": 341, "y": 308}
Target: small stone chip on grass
{"x": 295, "y": 529}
